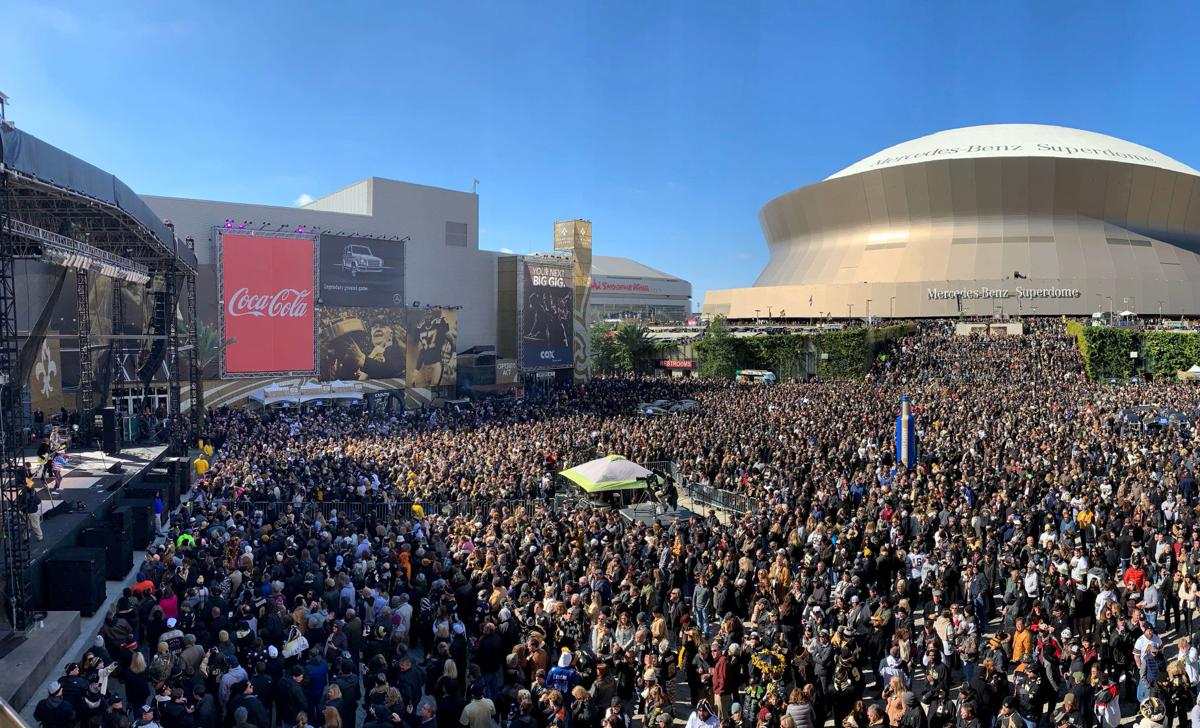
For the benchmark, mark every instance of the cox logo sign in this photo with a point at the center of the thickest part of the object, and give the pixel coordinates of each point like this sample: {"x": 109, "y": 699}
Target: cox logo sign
{"x": 547, "y": 354}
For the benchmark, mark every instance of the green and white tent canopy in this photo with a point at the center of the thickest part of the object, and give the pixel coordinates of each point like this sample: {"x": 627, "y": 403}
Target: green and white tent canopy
{"x": 609, "y": 473}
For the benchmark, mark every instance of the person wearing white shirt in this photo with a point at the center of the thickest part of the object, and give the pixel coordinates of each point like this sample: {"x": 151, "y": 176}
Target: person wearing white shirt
{"x": 1143, "y": 643}
{"x": 1079, "y": 566}
{"x": 1031, "y": 582}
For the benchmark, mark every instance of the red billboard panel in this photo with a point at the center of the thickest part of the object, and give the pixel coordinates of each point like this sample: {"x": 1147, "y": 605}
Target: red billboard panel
{"x": 267, "y": 285}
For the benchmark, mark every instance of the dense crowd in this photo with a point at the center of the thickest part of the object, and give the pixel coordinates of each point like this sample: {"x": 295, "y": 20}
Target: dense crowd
{"x": 1037, "y": 567}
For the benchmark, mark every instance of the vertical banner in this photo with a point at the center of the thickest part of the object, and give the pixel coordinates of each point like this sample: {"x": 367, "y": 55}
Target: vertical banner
{"x": 547, "y": 314}
{"x": 575, "y": 237}
{"x": 45, "y": 379}
{"x": 267, "y": 314}
{"x": 906, "y": 435}
{"x": 432, "y": 352}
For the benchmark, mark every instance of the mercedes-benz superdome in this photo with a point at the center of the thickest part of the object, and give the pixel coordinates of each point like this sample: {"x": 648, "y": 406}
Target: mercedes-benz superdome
{"x": 1005, "y": 219}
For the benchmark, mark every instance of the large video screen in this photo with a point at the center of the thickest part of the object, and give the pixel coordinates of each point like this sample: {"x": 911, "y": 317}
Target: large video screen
{"x": 432, "y": 356}
{"x": 362, "y": 272}
{"x": 362, "y": 343}
{"x": 267, "y": 316}
{"x": 547, "y": 313}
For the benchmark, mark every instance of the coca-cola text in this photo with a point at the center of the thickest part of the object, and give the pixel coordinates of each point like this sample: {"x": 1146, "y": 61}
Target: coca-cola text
{"x": 284, "y": 303}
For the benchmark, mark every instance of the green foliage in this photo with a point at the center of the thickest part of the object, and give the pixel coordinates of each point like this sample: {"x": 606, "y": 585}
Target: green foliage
{"x": 627, "y": 348}
{"x": 717, "y": 351}
{"x": 1106, "y": 350}
{"x": 843, "y": 354}
{"x": 604, "y": 348}
{"x": 1169, "y": 352}
{"x": 208, "y": 341}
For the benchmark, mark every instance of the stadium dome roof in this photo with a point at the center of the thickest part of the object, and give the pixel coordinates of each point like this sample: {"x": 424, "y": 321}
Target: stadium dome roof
{"x": 1015, "y": 140}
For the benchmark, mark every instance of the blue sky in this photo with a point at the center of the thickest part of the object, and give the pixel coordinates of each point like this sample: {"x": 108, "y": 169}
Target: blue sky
{"x": 668, "y": 124}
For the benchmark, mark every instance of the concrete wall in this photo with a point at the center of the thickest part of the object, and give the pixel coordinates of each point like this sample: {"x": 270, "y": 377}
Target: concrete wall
{"x": 434, "y": 272}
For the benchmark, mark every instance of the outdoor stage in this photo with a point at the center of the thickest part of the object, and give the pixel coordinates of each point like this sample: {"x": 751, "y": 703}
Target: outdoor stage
{"x": 87, "y": 497}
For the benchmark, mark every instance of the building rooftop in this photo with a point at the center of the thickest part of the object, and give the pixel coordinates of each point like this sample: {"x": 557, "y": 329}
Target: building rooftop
{"x": 611, "y": 265}
{"x": 1015, "y": 140}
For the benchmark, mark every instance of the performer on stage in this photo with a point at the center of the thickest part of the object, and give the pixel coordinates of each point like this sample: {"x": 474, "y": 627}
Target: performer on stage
{"x": 59, "y": 461}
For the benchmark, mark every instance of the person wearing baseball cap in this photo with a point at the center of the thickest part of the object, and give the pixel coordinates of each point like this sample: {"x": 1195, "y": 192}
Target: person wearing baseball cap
{"x": 147, "y": 718}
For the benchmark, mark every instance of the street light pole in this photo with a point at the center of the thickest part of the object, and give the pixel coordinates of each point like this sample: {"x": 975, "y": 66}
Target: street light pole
{"x": 868, "y": 312}
{"x": 849, "y": 311}
{"x": 892, "y": 308}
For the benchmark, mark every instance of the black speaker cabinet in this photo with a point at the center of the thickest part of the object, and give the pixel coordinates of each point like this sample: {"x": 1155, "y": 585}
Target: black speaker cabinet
{"x": 182, "y": 468}
{"x": 110, "y": 426}
{"x": 74, "y": 580}
{"x": 117, "y": 549}
{"x": 142, "y": 519}
{"x": 121, "y": 520}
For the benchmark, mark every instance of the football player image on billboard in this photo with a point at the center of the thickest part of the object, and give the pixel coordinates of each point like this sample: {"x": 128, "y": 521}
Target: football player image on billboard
{"x": 432, "y": 337}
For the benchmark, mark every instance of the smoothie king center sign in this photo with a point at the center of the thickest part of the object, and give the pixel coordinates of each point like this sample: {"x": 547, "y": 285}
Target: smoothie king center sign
{"x": 267, "y": 285}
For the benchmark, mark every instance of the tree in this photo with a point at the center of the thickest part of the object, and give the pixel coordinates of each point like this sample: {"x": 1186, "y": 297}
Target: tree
{"x": 604, "y": 348}
{"x": 716, "y": 349}
{"x": 208, "y": 348}
{"x": 635, "y": 349}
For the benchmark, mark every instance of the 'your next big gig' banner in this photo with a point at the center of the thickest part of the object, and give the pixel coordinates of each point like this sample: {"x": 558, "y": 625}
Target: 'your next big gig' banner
{"x": 267, "y": 290}
{"x": 547, "y": 316}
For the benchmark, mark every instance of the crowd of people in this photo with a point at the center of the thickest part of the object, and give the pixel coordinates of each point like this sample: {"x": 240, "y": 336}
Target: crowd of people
{"x": 1037, "y": 567}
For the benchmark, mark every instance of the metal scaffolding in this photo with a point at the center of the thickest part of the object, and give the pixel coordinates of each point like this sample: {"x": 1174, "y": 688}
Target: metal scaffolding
{"x": 17, "y": 567}
{"x": 87, "y": 384}
{"x": 178, "y": 429}
{"x": 195, "y": 395}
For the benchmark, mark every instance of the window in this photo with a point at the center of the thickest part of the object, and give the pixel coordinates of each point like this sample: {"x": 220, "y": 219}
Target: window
{"x": 456, "y": 234}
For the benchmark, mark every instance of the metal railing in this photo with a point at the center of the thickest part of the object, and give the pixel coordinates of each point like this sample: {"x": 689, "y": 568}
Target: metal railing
{"x": 724, "y": 499}
{"x": 707, "y": 494}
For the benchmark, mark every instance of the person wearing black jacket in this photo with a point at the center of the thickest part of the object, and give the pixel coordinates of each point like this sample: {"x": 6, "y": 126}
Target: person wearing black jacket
{"x": 53, "y": 711}
{"x": 289, "y": 697}
{"x": 206, "y": 714}
{"x": 347, "y": 682}
{"x": 31, "y": 506}
{"x": 74, "y": 687}
{"x": 257, "y": 712}
{"x": 176, "y": 713}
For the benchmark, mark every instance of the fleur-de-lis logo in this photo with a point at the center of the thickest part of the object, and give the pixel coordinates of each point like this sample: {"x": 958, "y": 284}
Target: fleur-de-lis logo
{"x": 45, "y": 370}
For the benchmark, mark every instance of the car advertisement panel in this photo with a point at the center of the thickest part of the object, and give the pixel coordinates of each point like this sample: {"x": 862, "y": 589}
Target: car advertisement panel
{"x": 267, "y": 314}
{"x": 357, "y": 344}
{"x": 361, "y": 272}
{"x": 547, "y": 310}
{"x": 432, "y": 342}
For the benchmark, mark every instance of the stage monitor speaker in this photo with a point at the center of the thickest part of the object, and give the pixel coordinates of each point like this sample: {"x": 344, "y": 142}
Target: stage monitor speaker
{"x": 74, "y": 580}
{"x": 142, "y": 521}
{"x": 121, "y": 519}
{"x": 117, "y": 549}
{"x": 111, "y": 431}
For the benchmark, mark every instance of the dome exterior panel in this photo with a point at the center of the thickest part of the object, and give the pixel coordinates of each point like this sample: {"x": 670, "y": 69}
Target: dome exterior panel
{"x": 1023, "y": 217}
{"x": 1013, "y": 140}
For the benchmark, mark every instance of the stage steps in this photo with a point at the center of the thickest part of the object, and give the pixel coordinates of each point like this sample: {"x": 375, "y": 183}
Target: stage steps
{"x": 28, "y": 666}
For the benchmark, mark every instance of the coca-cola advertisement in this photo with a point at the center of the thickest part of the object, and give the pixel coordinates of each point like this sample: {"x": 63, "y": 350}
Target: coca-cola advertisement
{"x": 267, "y": 292}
